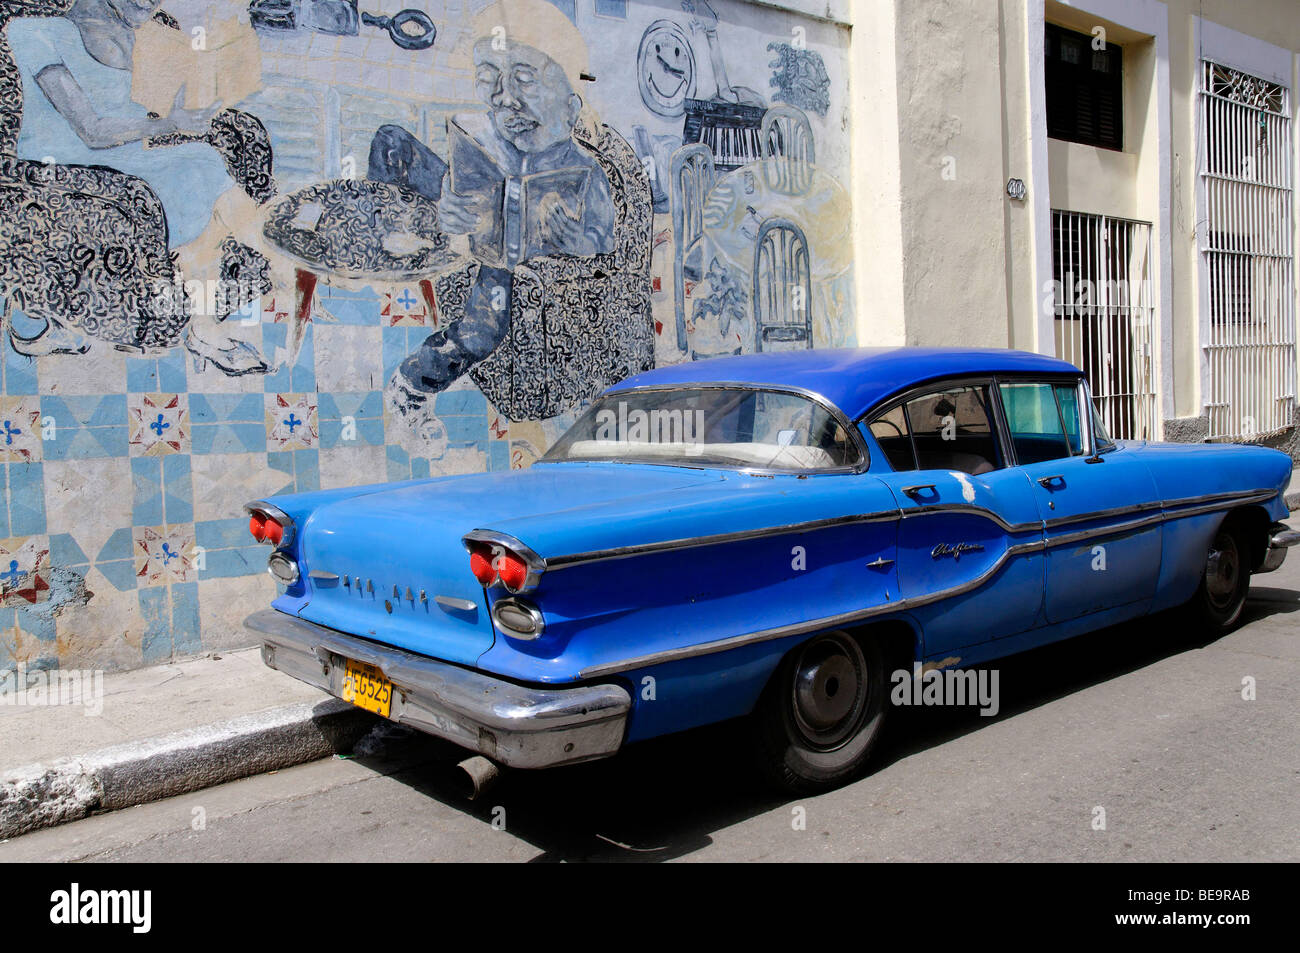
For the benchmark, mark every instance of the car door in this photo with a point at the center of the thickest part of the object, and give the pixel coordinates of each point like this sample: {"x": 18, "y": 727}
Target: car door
{"x": 970, "y": 565}
{"x": 1101, "y": 512}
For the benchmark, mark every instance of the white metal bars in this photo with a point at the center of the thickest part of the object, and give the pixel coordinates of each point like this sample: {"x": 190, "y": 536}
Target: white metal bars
{"x": 1105, "y": 321}
{"x": 1247, "y": 255}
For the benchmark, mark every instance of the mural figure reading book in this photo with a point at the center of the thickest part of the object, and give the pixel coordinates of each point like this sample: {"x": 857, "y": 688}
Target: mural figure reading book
{"x": 555, "y": 305}
{"x": 102, "y": 203}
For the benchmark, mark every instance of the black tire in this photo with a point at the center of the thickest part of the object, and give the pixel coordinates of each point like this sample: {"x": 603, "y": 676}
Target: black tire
{"x": 1225, "y": 580}
{"x": 821, "y": 713}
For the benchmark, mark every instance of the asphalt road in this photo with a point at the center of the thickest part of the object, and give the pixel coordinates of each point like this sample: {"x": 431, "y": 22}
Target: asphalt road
{"x": 1139, "y": 720}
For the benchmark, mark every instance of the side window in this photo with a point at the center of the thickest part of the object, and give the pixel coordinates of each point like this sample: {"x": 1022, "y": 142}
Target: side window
{"x": 1099, "y": 434}
{"x": 895, "y": 439}
{"x": 949, "y": 429}
{"x": 1043, "y": 420}
{"x": 1067, "y": 399}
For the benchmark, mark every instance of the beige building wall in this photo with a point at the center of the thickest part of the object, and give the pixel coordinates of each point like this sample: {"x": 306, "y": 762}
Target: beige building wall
{"x": 877, "y": 177}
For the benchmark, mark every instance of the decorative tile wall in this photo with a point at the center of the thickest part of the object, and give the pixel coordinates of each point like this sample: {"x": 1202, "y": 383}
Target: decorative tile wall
{"x": 122, "y": 539}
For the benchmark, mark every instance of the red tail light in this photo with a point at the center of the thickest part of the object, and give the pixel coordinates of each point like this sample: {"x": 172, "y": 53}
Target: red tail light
{"x": 499, "y": 558}
{"x": 492, "y": 563}
{"x": 480, "y": 564}
{"x": 269, "y": 529}
{"x": 512, "y": 570}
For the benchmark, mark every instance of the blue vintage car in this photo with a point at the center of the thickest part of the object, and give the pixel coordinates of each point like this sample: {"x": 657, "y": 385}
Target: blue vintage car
{"x": 767, "y": 536}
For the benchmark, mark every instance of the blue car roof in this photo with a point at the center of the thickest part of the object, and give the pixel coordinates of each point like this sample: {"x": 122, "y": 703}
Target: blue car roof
{"x": 853, "y": 379}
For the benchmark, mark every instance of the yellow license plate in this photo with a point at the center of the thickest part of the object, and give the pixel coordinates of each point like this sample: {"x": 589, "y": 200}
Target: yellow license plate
{"x": 365, "y": 686}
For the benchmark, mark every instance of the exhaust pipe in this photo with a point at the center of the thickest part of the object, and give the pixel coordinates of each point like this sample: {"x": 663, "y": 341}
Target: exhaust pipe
{"x": 482, "y": 775}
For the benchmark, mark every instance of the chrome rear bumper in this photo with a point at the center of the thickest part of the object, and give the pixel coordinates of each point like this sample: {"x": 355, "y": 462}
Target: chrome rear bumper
{"x": 1281, "y": 538}
{"x": 521, "y": 726}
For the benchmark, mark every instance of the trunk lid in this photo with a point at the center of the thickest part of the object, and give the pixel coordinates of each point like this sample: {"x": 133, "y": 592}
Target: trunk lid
{"x": 388, "y": 549}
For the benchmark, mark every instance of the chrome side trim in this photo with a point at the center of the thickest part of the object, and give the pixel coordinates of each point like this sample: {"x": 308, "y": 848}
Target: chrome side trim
{"x": 556, "y": 563}
{"x": 1219, "y": 501}
{"x": 1112, "y": 529}
{"x": 812, "y": 625}
{"x": 973, "y": 510}
{"x": 1104, "y": 514}
{"x": 1211, "y": 501}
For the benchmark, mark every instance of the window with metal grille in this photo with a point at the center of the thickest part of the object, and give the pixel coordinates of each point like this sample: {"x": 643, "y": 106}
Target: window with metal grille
{"x": 1247, "y": 254}
{"x": 1232, "y": 282}
{"x": 1085, "y": 89}
{"x": 1105, "y": 316}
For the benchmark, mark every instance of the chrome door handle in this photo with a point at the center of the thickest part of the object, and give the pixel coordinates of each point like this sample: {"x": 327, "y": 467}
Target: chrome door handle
{"x": 1047, "y": 481}
{"x": 915, "y": 491}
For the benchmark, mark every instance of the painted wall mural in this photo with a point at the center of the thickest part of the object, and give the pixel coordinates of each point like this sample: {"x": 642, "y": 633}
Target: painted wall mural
{"x": 258, "y": 246}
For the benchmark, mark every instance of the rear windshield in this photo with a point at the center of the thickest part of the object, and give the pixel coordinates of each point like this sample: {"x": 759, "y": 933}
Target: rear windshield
{"x": 699, "y": 427}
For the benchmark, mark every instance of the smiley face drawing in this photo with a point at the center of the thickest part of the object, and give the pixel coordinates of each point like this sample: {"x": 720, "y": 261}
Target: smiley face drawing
{"x": 665, "y": 68}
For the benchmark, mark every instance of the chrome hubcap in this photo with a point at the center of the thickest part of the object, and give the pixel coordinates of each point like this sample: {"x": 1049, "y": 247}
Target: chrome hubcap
{"x": 1222, "y": 569}
{"x": 830, "y": 690}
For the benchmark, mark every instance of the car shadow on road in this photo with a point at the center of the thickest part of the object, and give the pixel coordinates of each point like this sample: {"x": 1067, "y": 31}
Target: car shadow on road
{"x": 663, "y": 799}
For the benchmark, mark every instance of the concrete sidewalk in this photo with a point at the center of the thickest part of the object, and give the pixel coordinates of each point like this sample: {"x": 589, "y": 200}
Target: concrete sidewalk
{"x": 137, "y": 736}
{"x": 1293, "y": 492}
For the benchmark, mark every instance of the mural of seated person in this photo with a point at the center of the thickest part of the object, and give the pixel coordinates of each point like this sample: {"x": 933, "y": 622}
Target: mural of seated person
{"x": 85, "y": 246}
{"x": 556, "y": 304}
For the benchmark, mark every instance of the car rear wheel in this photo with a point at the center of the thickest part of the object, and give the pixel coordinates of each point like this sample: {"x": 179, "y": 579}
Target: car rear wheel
{"x": 821, "y": 714}
{"x": 1225, "y": 580}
